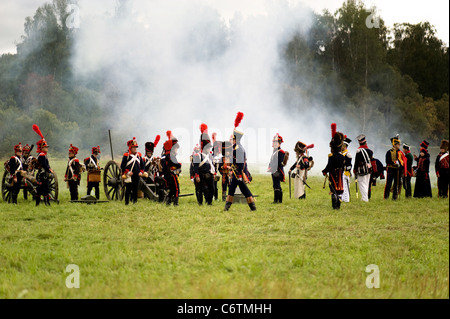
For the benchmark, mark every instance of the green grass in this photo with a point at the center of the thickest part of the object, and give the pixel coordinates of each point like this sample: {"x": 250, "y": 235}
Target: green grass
{"x": 300, "y": 249}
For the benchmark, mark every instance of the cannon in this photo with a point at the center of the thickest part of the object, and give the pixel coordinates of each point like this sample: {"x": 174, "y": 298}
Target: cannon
{"x": 29, "y": 183}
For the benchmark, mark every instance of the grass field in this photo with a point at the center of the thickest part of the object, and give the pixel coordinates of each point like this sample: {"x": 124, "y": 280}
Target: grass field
{"x": 300, "y": 249}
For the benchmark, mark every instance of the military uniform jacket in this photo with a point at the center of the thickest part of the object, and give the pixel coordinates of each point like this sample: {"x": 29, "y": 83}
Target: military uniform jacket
{"x": 92, "y": 160}
{"x": 202, "y": 164}
{"x": 395, "y": 159}
{"x": 335, "y": 169}
{"x": 409, "y": 163}
{"x": 348, "y": 162}
{"x": 276, "y": 161}
{"x": 15, "y": 164}
{"x": 442, "y": 163}
{"x": 132, "y": 163}
{"x": 43, "y": 163}
{"x": 73, "y": 169}
{"x": 240, "y": 161}
{"x": 169, "y": 165}
{"x": 363, "y": 161}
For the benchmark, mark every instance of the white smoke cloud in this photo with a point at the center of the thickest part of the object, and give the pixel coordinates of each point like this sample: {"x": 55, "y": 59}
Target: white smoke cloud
{"x": 175, "y": 64}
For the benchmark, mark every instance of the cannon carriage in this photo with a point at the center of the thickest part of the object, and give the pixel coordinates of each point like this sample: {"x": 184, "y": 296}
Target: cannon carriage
{"x": 29, "y": 184}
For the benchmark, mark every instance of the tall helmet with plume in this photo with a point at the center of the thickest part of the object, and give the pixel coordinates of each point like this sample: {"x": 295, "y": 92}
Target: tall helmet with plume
{"x": 205, "y": 140}
{"x": 337, "y": 139}
{"x": 150, "y": 146}
{"x": 42, "y": 142}
{"x": 238, "y": 134}
{"x": 73, "y": 149}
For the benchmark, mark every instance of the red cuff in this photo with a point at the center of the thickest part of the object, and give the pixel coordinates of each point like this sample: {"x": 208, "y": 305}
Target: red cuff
{"x": 142, "y": 171}
{"x": 126, "y": 171}
{"x": 196, "y": 175}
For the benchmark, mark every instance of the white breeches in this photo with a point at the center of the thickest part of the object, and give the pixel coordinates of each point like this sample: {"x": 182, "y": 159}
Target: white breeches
{"x": 363, "y": 185}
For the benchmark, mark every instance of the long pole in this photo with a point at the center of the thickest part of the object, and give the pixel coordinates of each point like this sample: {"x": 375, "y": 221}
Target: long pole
{"x": 110, "y": 144}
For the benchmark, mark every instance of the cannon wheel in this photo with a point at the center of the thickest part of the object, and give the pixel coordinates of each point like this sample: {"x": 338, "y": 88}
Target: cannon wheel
{"x": 6, "y": 190}
{"x": 53, "y": 187}
{"x": 112, "y": 181}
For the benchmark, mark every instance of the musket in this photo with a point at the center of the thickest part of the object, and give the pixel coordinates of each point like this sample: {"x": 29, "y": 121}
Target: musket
{"x": 325, "y": 181}
{"x": 304, "y": 182}
{"x": 290, "y": 193}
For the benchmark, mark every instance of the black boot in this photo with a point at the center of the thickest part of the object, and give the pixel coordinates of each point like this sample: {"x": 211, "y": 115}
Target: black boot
{"x": 252, "y": 206}
{"x": 280, "y": 196}
{"x": 276, "y": 197}
{"x": 38, "y": 200}
{"x": 47, "y": 200}
{"x": 224, "y": 196}
{"x": 175, "y": 201}
{"x": 303, "y": 196}
{"x": 199, "y": 197}
{"x": 227, "y": 206}
{"x": 335, "y": 201}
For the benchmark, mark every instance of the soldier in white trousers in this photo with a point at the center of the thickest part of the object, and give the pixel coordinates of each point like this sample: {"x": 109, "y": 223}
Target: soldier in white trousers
{"x": 363, "y": 167}
{"x": 345, "y": 197}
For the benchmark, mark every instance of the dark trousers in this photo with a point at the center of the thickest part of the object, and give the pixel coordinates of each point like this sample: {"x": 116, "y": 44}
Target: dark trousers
{"x": 16, "y": 189}
{"x": 73, "y": 188}
{"x": 216, "y": 190}
{"x": 225, "y": 183}
{"x": 131, "y": 189}
{"x": 392, "y": 178}
{"x": 242, "y": 186}
{"x": 443, "y": 181}
{"x": 205, "y": 188}
{"x": 96, "y": 187}
{"x": 276, "y": 182}
{"x": 407, "y": 186}
{"x": 174, "y": 188}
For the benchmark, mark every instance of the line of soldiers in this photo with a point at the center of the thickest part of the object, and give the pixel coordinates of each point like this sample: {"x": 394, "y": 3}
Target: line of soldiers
{"x": 367, "y": 169}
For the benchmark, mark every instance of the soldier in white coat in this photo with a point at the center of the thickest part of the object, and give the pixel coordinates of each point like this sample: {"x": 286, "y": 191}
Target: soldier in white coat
{"x": 299, "y": 171}
{"x": 345, "y": 197}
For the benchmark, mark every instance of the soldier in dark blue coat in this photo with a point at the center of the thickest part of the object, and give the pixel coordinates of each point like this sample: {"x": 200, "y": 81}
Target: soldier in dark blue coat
{"x": 132, "y": 169}
{"x": 171, "y": 168}
{"x": 204, "y": 169}
{"x": 240, "y": 174}
{"x": 73, "y": 172}
{"x": 16, "y": 170}
{"x": 277, "y": 163}
{"x": 92, "y": 164}
{"x": 335, "y": 167}
{"x": 43, "y": 173}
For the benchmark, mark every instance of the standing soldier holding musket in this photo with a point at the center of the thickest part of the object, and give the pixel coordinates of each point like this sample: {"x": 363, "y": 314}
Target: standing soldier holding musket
{"x": 92, "y": 164}
{"x": 347, "y": 170}
{"x": 171, "y": 168}
{"x": 277, "y": 163}
{"x": 16, "y": 172}
{"x": 204, "y": 169}
{"x": 299, "y": 170}
{"x": 225, "y": 167}
{"x": 442, "y": 169}
{"x": 27, "y": 166}
{"x": 240, "y": 176}
{"x": 409, "y": 170}
{"x": 396, "y": 167}
{"x": 73, "y": 173}
{"x": 43, "y": 169}
{"x": 132, "y": 167}
{"x": 363, "y": 167}
{"x": 335, "y": 167}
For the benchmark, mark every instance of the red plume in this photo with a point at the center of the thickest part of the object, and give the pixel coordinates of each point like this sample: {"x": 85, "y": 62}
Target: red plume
{"x": 169, "y": 134}
{"x": 203, "y": 127}
{"x": 213, "y": 136}
{"x": 37, "y": 130}
{"x": 310, "y": 146}
{"x": 238, "y": 119}
{"x": 333, "y": 129}
{"x": 158, "y": 137}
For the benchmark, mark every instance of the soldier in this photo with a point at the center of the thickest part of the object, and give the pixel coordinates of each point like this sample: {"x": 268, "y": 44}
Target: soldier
{"x": 171, "y": 168}
{"x": 442, "y": 169}
{"x": 299, "y": 170}
{"x": 423, "y": 185}
{"x": 73, "y": 172}
{"x": 16, "y": 172}
{"x": 92, "y": 164}
{"x": 335, "y": 167}
{"x": 347, "y": 170}
{"x": 363, "y": 167}
{"x": 204, "y": 169}
{"x": 148, "y": 158}
{"x": 44, "y": 170}
{"x": 27, "y": 166}
{"x": 396, "y": 167}
{"x": 377, "y": 172}
{"x": 277, "y": 163}
{"x": 225, "y": 167}
{"x": 240, "y": 174}
{"x": 409, "y": 170}
{"x": 133, "y": 168}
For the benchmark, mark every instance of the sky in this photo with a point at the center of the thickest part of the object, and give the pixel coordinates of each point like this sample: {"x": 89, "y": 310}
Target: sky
{"x": 14, "y": 12}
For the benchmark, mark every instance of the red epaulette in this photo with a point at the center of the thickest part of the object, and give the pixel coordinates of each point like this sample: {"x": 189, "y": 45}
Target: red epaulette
{"x": 86, "y": 159}
{"x": 125, "y": 154}
{"x": 281, "y": 151}
{"x": 43, "y": 154}
{"x": 138, "y": 153}
{"x": 13, "y": 157}
{"x": 76, "y": 160}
